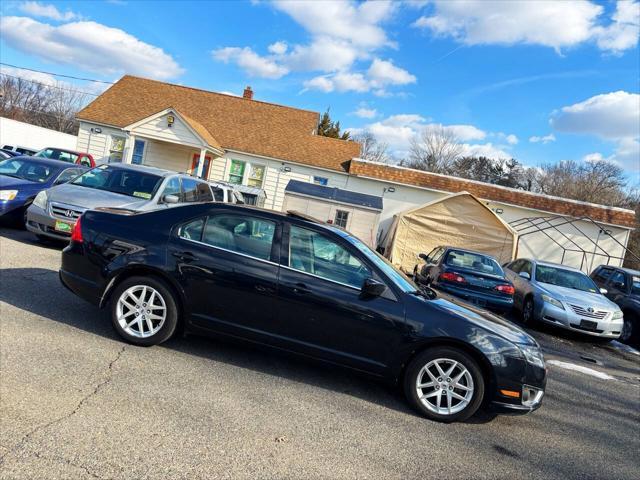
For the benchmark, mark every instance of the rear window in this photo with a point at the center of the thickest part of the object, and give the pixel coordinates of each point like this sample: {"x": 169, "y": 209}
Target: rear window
{"x": 473, "y": 261}
{"x": 119, "y": 180}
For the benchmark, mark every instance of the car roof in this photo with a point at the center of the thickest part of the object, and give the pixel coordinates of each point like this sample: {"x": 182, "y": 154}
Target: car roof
{"x": 449, "y": 247}
{"x": 47, "y": 161}
{"x": 141, "y": 168}
{"x": 551, "y": 264}
{"x": 63, "y": 150}
{"x": 622, "y": 269}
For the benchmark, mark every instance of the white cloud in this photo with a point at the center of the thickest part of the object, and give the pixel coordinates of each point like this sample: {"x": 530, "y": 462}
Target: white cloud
{"x": 250, "y": 62}
{"x": 323, "y": 84}
{"x": 611, "y": 115}
{"x": 488, "y": 150}
{"x": 384, "y": 72}
{"x": 89, "y": 46}
{"x": 559, "y": 24}
{"x": 624, "y": 30}
{"x": 364, "y": 112}
{"x": 38, "y": 9}
{"x": 511, "y": 139}
{"x": 322, "y": 54}
{"x": 278, "y": 48}
{"x": 543, "y": 139}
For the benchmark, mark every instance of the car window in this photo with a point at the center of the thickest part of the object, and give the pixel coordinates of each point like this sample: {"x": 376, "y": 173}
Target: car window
{"x": 67, "y": 156}
{"x": 218, "y": 194}
{"x": 238, "y": 233}
{"x": 172, "y": 187}
{"x": 133, "y": 183}
{"x": 618, "y": 281}
{"x": 473, "y": 261}
{"x": 192, "y": 230}
{"x": 317, "y": 254}
{"x": 85, "y": 161}
{"x": 68, "y": 174}
{"x": 190, "y": 190}
{"x": 602, "y": 274}
{"x": 46, "y": 153}
{"x": 437, "y": 255}
{"x": 25, "y": 169}
{"x": 204, "y": 192}
{"x": 635, "y": 286}
{"x": 516, "y": 266}
{"x": 565, "y": 278}
{"x": 526, "y": 267}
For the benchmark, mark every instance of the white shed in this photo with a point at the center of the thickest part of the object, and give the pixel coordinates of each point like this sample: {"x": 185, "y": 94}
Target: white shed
{"x": 356, "y": 212}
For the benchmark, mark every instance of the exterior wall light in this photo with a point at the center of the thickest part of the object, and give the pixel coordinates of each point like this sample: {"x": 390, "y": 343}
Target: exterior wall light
{"x": 286, "y": 169}
{"x": 170, "y": 120}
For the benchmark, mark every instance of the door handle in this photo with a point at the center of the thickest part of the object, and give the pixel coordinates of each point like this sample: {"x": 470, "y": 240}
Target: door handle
{"x": 301, "y": 289}
{"x": 185, "y": 256}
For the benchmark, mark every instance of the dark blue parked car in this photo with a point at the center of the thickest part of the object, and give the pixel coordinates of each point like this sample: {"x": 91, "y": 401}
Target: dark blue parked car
{"x": 472, "y": 276}
{"x": 23, "y": 177}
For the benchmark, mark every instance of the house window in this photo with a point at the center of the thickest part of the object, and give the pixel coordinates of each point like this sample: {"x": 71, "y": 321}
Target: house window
{"x": 117, "y": 149}
{"x": 321, "y": 181}
{"x": 138, "y": 152}
{"x": 236, "y": 175}
{"x": 256, "y": 176}
{"x": 341, "y": 219}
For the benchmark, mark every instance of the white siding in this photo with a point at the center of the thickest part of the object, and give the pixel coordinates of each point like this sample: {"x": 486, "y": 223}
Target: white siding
{"x": 168, "y": 156}
{"x": 97, "y": 144}
{"x": 23, "y": 134}
{"x": 158, "y": 129}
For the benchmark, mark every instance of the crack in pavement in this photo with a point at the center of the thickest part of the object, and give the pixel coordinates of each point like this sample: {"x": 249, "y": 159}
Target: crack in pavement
{"x": 23, "y": 441}
{"x": 68, "y": 462}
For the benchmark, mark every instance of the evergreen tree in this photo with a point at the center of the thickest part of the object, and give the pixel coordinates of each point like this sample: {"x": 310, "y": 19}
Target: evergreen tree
{"x": 329, "y": 128}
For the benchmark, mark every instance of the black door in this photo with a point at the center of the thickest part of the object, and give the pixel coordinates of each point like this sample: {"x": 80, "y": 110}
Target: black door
{"x": 321, "y": 310}
{"x": 227, "y": 264}
{"x": 617, "y": 286}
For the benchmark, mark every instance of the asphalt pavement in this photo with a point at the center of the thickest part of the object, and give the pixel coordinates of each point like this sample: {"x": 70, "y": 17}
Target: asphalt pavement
{"x": 76, "y": 402}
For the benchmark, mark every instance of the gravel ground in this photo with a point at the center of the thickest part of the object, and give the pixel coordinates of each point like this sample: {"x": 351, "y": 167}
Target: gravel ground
{"x": 78, "y": 403}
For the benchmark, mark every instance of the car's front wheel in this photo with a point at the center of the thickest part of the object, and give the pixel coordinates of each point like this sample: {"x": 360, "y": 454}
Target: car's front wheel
{"x": 444, "y": 384}
{"x": 629, "y": 332}
{"x": 144, "y": 311}
{"x": 528, "y": 311}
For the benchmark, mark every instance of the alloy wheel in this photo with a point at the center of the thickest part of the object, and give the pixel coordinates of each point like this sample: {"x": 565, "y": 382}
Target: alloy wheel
{"x": 141, "y": 311}
{"x": 444, "y": 386}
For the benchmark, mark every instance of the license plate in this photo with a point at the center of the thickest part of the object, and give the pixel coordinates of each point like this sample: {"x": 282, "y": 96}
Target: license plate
{"x": 65, "y": 227}
{"x": 589, "y": 324}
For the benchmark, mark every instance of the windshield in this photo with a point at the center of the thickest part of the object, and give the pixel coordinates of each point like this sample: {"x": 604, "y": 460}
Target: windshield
{"x": 565, "y": 278}
{"x": 401, "y": 281}
{"x": 119, "y": 180}
{"x": 635, "y": 285}
{"x": 27, "y": 169}
{"x": 473, "y": 261}
{"x": 56, "y": 154}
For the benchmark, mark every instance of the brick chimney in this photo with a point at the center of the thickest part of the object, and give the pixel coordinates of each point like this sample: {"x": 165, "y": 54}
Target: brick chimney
{"x": 248, "y": 93}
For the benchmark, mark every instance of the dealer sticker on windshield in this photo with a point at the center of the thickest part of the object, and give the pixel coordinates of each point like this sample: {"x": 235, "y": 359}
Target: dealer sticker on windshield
{"x": 144, "y": 195}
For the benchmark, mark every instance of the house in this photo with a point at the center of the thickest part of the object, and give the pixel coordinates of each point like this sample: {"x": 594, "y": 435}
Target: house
{"x": 259, "y": 144}
{"x": 358, "y": 213}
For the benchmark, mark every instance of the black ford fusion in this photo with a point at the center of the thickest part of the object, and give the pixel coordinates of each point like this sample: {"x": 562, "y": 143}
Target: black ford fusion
{"x": 294, "y": 284}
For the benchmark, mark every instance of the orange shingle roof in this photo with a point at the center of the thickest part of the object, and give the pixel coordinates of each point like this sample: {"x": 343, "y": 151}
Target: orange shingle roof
{"x": 236, "y": 123}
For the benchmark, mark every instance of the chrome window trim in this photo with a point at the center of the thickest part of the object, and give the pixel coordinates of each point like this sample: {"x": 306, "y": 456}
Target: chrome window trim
{"x": 227, "y": 250}
{"x": 322, "y": 278}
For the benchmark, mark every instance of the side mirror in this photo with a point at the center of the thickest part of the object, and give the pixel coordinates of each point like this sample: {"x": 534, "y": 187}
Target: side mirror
{"x": 525, "y": 275}
{"x": 604, "y": 291}
{"x": 171, "y": 199}
{"x": 424, "y": 257}
{"x": 373, "y": 288}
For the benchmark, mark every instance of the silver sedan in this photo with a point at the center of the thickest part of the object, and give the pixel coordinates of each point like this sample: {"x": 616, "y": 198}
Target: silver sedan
{"x": 562, "y": 296}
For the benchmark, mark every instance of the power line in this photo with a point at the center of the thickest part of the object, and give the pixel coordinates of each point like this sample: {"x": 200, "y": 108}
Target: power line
{"x": 56, "y": 74}
{"x": 46, "y": 85}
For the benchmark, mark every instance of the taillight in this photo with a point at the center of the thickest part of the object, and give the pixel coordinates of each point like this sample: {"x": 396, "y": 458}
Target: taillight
{"x": 452, "y": 277}
{"x": 508, "y": 289}
{"x": 76, "y": 233}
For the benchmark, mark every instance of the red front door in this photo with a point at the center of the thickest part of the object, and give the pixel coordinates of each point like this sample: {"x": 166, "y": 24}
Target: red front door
{"x": 205, "y": 169}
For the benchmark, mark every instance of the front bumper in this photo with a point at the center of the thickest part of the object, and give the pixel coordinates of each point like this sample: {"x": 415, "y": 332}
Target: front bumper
{"x": 11, "y": 207}
{"x": 40, "y": 222}
{"x": 568, "y": 319}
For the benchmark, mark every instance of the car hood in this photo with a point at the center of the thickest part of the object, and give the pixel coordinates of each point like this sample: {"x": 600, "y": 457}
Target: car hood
{"x": 483, "y": 319}
{"x": 92, "y": 197}
{"x": 577, "y": 297}
{"x": 7, "y": 182}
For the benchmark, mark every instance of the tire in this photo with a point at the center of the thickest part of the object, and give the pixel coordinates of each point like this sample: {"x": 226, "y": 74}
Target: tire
{"x": 629, "y": 334}
{"x": 426, "y": 402}
{"x": 141, "y": 317}
{"x": 528, "y": 312}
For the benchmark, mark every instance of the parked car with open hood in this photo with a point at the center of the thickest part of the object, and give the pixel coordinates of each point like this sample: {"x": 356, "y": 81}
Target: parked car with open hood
{"x": 304, "y": 287}
{"x": 134, "y": 187}
{"x": 622, "y": 286}
{"x": 473, "y": 276}
{"x": 564, "y": 297}
{"x": 22, "y": 178}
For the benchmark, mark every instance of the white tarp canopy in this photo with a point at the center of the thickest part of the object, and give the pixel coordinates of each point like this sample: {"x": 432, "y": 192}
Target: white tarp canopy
{"x": 458, "y": 220}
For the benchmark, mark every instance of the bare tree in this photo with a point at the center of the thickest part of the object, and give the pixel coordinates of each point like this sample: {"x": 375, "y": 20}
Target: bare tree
{"x": 434, "y": 150}
{"x": 371, "y": 149}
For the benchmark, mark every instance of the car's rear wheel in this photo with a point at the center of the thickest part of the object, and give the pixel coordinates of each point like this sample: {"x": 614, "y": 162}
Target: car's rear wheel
{"x": 444, "y": 384}
{"x": 144, "y": 311}
{"x": 528, "y": 311}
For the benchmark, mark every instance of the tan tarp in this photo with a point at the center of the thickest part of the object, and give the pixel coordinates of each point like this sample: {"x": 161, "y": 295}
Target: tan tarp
{"x": 458, "y": 220}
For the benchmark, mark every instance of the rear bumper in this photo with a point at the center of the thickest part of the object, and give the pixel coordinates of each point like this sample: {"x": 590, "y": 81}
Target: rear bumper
{"x": 493, "y": 302}
{"x": 85, "y": 289}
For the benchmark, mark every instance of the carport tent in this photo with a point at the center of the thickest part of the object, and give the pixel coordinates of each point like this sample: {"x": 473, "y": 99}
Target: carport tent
{"x": 458, "y": 220}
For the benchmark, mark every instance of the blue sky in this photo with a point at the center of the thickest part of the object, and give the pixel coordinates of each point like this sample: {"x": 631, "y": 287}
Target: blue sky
{"x": 538, "y": 81}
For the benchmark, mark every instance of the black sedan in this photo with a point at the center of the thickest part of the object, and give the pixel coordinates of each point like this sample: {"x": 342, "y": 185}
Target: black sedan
{"x": 287, "y": 282}
{"x": 472, "y": 276}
